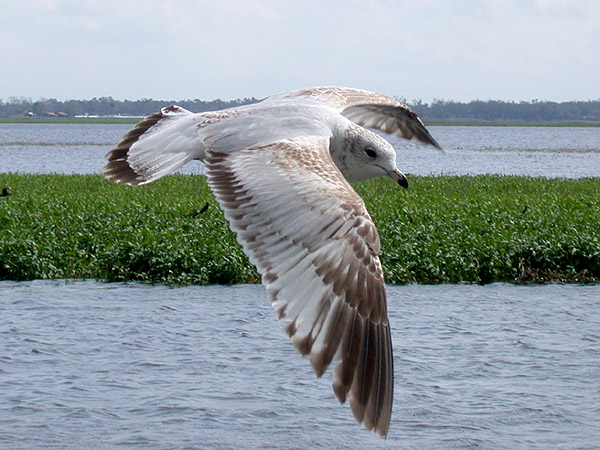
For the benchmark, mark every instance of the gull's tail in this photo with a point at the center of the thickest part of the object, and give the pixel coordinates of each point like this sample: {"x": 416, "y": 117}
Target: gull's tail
{"x": 158, "y": 145}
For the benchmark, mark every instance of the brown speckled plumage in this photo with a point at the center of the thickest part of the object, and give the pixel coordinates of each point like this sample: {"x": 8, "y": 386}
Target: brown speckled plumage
{"x": 280, "y": 170}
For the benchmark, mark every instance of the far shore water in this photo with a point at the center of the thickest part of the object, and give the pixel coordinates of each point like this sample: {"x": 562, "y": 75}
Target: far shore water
{"x": 432, "y": 122}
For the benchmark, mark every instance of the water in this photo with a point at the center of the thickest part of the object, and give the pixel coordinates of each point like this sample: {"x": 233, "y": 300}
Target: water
{"x": 536, "y": 151}
{"x": 533, "y": 151}
{"x": 93, "y": 365}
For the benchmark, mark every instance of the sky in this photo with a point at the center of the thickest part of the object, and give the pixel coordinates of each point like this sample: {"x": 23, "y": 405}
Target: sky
{"x": 461, "y": 50}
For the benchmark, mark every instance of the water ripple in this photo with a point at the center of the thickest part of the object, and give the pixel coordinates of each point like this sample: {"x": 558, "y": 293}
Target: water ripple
{"x": 570, "y": 152}
{"x": 92, "y": 365}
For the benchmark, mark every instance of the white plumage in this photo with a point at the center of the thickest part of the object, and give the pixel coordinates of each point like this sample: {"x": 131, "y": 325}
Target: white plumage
{"x": 280, "y": 170}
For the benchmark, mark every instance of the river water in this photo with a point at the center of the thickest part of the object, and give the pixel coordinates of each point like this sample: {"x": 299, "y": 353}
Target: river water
{"x": 88, "y": 365}
{"x": 537, "y": 151}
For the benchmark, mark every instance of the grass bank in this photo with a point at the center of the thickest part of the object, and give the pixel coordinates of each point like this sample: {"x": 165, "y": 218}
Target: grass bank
{"x": 444, "y": 229}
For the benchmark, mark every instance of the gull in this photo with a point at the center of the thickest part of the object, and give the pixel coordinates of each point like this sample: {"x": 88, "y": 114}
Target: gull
{"x": 280, "y": 170}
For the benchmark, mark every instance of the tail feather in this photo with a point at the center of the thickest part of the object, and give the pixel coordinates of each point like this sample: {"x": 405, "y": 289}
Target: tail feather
{"x": 155, "y": 147}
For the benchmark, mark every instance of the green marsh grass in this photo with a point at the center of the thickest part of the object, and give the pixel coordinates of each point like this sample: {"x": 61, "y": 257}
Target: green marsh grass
{"x": 443, "y": 229}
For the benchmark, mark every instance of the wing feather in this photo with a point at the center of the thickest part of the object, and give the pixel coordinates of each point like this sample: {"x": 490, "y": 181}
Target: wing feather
{"x": 156, "y": 146}
{"x": 370, "y": 110}
{"x": 311, "y": 238}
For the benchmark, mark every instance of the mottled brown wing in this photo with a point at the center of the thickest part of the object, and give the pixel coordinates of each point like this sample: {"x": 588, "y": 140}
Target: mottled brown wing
{"x": 391, "y": 119}
{"x": 314, "y": 243}
{"x": 370, "y": 110}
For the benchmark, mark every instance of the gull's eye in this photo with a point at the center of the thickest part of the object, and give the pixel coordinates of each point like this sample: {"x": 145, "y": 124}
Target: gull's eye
{"x": 370, "y": 153}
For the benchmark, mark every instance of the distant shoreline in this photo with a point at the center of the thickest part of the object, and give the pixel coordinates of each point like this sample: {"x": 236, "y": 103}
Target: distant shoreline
{"x": 432, "y": 122}
{"x": 74, "y": 120}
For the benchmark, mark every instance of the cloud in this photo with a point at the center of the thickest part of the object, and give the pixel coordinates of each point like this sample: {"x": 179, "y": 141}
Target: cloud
{"x": 460, "y": 49}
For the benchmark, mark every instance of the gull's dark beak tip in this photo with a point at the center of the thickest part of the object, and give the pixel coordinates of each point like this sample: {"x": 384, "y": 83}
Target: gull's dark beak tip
{"x": 403, "y": 182}
{"x": 399, "y": 177}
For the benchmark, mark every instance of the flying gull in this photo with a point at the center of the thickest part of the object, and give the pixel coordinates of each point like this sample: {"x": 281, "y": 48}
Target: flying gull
{"x": 280, "y": 169}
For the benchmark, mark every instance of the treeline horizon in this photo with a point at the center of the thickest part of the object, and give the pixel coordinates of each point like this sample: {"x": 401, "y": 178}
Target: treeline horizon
{"x": 475, "y": 110}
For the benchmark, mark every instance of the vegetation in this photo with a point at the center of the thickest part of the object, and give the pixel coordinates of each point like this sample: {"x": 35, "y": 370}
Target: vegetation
{"x": 495, "y": 110}
{"x": 444, "y": 229}
{"x": 89, "y": 120}
{"x": 503, "y": 123}
{"x": 107, "y": 106}
{"x": 477, "y": 111}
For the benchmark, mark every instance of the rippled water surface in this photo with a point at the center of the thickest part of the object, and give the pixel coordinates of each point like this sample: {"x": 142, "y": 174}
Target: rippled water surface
{"x": 536, "y": 151}
{"x": 93, "y": 365}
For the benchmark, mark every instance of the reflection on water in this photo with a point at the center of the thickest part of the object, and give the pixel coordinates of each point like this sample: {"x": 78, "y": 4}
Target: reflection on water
{"x": 93, "y": 365}
{"x": 536, "y": 151}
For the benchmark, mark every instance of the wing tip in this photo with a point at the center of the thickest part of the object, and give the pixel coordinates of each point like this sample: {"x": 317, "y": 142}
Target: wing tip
{"x": 370, "y": 396}
{"x": 117, "y": 168}
{"x": 121, "y": 173}
{"x": 431, "y": 141}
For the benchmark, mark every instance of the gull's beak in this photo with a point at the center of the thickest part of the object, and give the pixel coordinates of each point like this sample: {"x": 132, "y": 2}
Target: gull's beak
{"x": 399, "y": 178}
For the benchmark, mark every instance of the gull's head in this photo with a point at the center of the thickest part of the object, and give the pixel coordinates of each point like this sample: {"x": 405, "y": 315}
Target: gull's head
{"x": 366, "y": 155}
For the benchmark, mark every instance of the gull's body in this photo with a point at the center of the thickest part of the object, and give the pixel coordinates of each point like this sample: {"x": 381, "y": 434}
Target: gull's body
{"x": 280, "y": 170}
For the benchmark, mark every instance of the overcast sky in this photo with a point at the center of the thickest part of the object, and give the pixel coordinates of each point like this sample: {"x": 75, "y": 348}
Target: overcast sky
{"x": 184, "y": 49}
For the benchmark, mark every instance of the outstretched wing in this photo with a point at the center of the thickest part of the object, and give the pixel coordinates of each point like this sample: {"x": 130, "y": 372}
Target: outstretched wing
{"x": 370, "y": 110}
{"x": 314, "y": 243}
{"x": 160, "y": 144}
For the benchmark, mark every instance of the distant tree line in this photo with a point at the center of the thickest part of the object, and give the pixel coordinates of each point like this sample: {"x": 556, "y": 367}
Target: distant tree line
{"x": 107, "y": 106}
{"x": 495, "y": 110}
{"x": 477, "y": 110}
